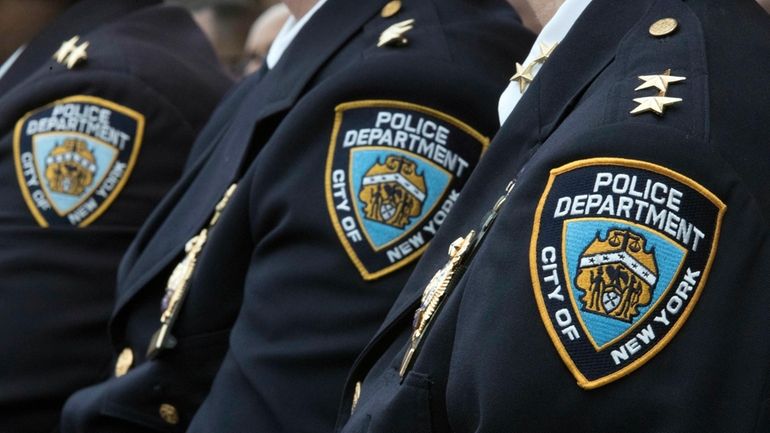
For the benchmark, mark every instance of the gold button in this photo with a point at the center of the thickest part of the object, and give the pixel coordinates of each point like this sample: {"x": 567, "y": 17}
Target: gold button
{"x": 124, "y": 363}
{"x": 169, "y": 414}
{"x": 391, "y": 9}
{"x": 663, "y": 27}
{"x": 356, "y": 396}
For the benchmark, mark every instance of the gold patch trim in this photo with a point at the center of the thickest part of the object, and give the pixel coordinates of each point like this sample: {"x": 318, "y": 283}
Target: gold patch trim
{"x": 339, "y": 111}
{"x": 139, "y": 135}
{"x": 582, "y": 381}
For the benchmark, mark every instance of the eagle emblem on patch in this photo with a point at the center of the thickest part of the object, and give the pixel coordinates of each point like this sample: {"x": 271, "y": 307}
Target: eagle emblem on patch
{"x": 620, "y": 253}
{"x": 74, "y": 156}
{"x": 393, "y": 173}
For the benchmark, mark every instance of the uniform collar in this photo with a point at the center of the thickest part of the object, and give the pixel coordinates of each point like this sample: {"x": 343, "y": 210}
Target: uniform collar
{"x": 287, "y": 34}
{"x": 553, "y": 33}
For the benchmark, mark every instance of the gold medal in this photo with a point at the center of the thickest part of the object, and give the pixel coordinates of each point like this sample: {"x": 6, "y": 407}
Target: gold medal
{"x": 178, "y": 283}
{"x": 433, "y": 294}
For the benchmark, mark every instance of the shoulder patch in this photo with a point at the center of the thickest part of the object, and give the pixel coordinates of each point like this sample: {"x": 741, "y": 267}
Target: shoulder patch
{"x": 74, "y": 156}
{"x": 620, "y": 253}
{"x": 393, "y": 172}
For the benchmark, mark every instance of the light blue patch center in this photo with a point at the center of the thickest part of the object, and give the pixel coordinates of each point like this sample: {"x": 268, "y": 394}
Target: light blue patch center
{"x": 436, "y": 181}
{"x": 579, "y": 234}
{"x": 103, "y": 155}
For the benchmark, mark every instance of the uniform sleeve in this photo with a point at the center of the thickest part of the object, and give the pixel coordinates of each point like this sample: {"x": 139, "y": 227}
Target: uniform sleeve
{"x": 344, "y": 198}
{"x": 87, "y": 155}
{"x": 623, "y": 284}
{"x": 93, "y": 136}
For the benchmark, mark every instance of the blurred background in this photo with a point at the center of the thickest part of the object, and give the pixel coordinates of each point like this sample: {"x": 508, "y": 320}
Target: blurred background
{"x": 241, "y": 31}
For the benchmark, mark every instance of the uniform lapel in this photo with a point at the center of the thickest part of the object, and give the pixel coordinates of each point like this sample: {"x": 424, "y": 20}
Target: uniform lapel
{"x": 218, "y": 125}
{"x": 80, "y": 19}
{"x": 591, "y": 44}
{"x": 335, "y": 23}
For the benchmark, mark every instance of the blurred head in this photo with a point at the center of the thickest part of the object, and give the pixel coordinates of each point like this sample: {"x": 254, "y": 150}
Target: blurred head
{"x": 765, "y": 4}
{"x": 21, "y": 20}
{"x": 299, "y": 8}
{"x": 262, "y": 35}
{"x": 536, "y": 13}
{"x": 226, "y": 25}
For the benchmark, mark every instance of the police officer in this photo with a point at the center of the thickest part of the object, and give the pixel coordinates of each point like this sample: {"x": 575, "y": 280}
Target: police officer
{"x": 612, "y": 275}
{"x": 328, "y": 174}
{"x": 99, "y": 105}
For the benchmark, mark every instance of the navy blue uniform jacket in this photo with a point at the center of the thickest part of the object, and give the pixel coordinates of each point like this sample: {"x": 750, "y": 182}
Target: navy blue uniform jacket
{"x": 346, "y": 155}
{"x": 85, "y": 154}
{"x": 622, "y": 285}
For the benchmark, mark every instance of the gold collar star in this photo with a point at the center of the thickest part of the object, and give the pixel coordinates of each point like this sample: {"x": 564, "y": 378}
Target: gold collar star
{"x": 660, "y": 82}
{"x": 545, "y": 52}
{"x": 656, "y": 104}
{"x": 394, "y": 35}
{"x": 523, "y": 75}
{"x": 65, "y": 49}
{"x": 70, "y": 53}
{"x": 77, "y": 55}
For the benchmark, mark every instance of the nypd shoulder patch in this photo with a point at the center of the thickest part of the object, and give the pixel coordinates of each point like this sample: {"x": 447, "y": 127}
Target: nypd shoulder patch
{"x": 74, "y": 156}
{"x": 620, "y": 253}
{"x": 393, "y": 172}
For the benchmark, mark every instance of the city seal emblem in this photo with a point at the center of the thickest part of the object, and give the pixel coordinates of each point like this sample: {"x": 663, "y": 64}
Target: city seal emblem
{"x": 74, "y": 156}
{"x": 393, "y": 192}
{"x": 393, "y": 173}
{"x": 620, "y": 253}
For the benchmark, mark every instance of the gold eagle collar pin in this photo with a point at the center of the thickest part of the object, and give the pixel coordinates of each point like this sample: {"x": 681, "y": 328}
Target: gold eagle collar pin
{"x": 393, "y": 36}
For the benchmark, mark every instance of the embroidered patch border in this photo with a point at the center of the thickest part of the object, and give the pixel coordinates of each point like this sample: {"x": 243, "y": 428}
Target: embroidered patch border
{"x": 591, "y": 363}
{"x": 364, "y": 259}
{"x": 39, "y": 199}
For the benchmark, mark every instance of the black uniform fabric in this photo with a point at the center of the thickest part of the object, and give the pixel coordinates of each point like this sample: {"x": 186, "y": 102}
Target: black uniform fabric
{"x": 497, "y": 357}
{"x": 58, "y": 282}
{"x": 308, "y": 309}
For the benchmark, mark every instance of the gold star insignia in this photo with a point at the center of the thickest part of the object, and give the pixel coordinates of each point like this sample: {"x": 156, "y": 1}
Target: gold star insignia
{"x": 523, "y": 75}
{"x": 78, "y": 54}
{"x": 65, "y": 49}
{"x": 656, "y": 104}
{"x": 394, "y": 35}
{"x": 660, "y": 82}
{"x": 545, "y": 51}
{"x": 70, "y": 53}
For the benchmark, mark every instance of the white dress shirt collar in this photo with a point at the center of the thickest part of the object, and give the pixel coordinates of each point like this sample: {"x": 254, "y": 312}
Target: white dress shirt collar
{"x": 554, "y": 31}
{"x": 287, "y": 34}
{"x": 10, "y": 61}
